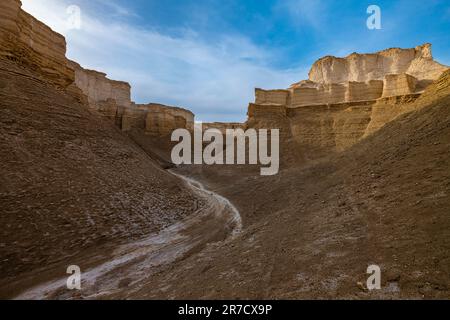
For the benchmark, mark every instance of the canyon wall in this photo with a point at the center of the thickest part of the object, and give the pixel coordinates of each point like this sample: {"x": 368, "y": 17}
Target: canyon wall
{"x": 417, "y": 62}
{"x": 156, "y": 119}
{"x": 113, "y": 100}
{"x": 223, "y": 126}
{"x": 344, "y": 100}
{"x": 315, "y": 131}
{"x": 30, "y": 42}
{"x": 97, "y": 87}
{"x": 360, "y": 77}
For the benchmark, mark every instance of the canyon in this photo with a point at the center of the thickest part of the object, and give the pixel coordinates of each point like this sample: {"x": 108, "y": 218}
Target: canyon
{"x": 363, "y": 179}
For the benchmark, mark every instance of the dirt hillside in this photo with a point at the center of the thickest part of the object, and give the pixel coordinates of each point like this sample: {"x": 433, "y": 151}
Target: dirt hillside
{"x": 71, "y": 183}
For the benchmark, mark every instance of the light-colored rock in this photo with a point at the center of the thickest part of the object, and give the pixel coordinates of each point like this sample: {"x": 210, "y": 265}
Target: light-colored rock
{"x": 361, "y": 91}
{"x": 399, "y": 84}
{"x": 224, "y": 126}
{"x": 345, "y": 99}
{"x": 156, "y": 119}
{"x": 162, "y": 120}
{"x": 360, "y": 77}
{"x": 317, "y": 94}
{"x": 30, "y": 42}
{"x": 417, "y": 62}
{"x": 271, "y": 96}
{"x": 98, "y": 88}
{"x": 113, "y": 99}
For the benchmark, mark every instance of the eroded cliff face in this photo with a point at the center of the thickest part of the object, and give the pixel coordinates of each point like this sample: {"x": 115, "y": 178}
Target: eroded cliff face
{"x": 360, "y": 77}
{"x": 30, "y": 42}
{"x": 345, "y": 99}
{"x": 98, "y": 87}
{"x": 112, "y": 99}
{"x": 157, "y": 119}
{"x": 417, "y": 62}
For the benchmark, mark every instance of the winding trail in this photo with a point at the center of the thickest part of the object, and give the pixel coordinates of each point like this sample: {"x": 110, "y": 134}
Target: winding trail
{"x": 133, "y": 264}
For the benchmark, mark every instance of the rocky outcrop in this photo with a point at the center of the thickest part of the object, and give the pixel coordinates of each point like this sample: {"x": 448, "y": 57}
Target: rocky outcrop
{"x": 98, "y": 88}
{"x": 271, "y": 96}
{"x": 360, "y": 77}
{"x": 30, "y": 42}
{"x": 345, "y": 99}
{"x": 399, "y": 84}
{"x": 26, "y": 40}
{"x": 112, "y": 99}
{"x": 156, "y": 119}
{"x": 417, "y": 62}
{"x": 223, "y": 126}
{"x": 109, "y": 97}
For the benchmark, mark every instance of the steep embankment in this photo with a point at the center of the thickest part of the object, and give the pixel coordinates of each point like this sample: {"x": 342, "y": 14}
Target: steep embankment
{"x": 311, "y": 232}
{"x": 72, "y": 185}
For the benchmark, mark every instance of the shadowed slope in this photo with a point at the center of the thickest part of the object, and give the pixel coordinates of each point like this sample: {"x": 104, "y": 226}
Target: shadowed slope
{"x": 70, "y": 182}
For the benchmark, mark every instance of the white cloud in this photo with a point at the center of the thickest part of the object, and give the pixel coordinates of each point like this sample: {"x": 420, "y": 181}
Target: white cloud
{"x": 308, "y": 13}
{"x": 215, "y": 80}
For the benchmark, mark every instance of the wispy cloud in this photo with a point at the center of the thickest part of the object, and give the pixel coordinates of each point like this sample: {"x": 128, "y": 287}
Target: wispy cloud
{"x": 308, "y": 13}
{"x": 118, "y": 10}
{"x": 214, "y": 79}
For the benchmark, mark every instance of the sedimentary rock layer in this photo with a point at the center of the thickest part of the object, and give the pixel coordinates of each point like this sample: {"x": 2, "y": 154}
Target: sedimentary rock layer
{"x": 223, "y": 126}
{"x": 417, "y": 62}
{"x": 360, "y": 77}
{"x": 30, "y": 42}
{"x": 97, "y": 87}
{"x": 156, "y": 119}
{"x": 399, "y": 84}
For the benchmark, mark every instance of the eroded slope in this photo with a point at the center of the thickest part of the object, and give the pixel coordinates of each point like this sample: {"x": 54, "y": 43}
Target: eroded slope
{"x": 71, "y": 183}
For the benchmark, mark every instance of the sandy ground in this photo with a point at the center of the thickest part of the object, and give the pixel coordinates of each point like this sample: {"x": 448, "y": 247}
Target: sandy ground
{"x": 132, "y": 265}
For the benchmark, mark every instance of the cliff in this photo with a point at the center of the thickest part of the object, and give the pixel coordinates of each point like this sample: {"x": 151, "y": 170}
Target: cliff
{"x": 112, "y": 99}
{"x": 417, "y": 62}
{"x": 30, "y": 42}
{"x": 344, "y": 100}
{"x": 157, "y": 119}
{"x": 360, "y": 77}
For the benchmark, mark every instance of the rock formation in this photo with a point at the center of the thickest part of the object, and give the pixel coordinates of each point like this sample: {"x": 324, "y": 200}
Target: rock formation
{"x": 30, "y": 42}
{"x": 113, "y": 100}
{"x": 360, "y": 77}
{"x": 99, "y": 88}
{"x": 345, "y": 99}
{"x": 156, "y": 119}
{"x": 223, "y": 126}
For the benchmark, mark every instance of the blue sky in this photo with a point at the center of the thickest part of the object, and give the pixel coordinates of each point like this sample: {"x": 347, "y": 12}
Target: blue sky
{"x": 209, "y": 55}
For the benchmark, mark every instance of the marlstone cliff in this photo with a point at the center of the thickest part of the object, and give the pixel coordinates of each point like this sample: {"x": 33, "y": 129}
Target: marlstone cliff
{"x": 345, "y": 99}
{"x": 26, "y": 40}
{"x": 358, "y": 77}
{"x": 112, "y": 99}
